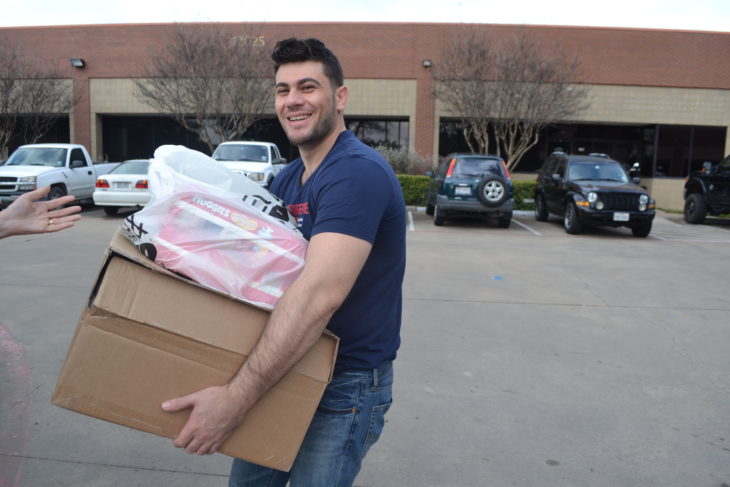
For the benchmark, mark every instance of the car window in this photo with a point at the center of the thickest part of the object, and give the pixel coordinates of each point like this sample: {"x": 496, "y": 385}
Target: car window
{"x": 233, "y": 152}
{"x": 559, "y": 167}
{"x": 477, "y": 167}
{"x": 443, "y": 167}
{"x": 77, "y": 155}
{"x": 724, "y": 165}
{"x": 131, "y": 167}
{"x": 582, "y": 171}
{"x": 38, "y": 156}
{"x": 547, "y": 168}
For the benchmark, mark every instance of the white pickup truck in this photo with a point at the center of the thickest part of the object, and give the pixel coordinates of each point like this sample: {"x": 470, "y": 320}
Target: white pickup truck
{"x": 260, "y": 161}
{"x": 67, "y": 168}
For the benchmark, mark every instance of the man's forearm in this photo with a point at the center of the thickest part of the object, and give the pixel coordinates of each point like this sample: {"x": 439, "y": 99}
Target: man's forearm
{"x": 294, "y": 327}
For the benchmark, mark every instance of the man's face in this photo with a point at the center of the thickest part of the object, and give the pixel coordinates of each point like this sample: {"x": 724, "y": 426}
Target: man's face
{"x": 307, "y": 104}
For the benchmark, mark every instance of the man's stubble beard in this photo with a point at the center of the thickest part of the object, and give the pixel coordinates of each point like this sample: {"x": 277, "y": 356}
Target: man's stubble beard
{"x": 320, "y": 132}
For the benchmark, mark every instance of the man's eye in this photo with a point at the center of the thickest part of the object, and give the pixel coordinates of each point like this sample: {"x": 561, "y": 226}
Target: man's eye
{"x": 307, "y": 88}
{"x": 282, "y": 91}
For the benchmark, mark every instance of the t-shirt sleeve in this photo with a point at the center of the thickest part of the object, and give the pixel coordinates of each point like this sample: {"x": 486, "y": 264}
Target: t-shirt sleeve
{"x": 352, "y": 199}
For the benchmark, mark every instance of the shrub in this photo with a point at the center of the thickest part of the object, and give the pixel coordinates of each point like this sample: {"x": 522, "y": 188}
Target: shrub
{"x": 404, "y": 161}
{"x": 524, "y": 190}
{"x": 414, "y": 188}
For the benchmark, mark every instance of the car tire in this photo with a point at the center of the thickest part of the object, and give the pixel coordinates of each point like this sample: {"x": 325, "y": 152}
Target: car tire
{"x": 492, "y": 191}
{"x": 111, "y": 210}
{"x": 570, "y": 220}
{"x": 642, "y": 231}
{"x": 505, "y": 220}
{"x": 439, "y": 216}
{"x": 56, "y": 192}
{"x": 429, "y": 209}
{"x": 541, "y": 211}
{"x": 695, "y": 209}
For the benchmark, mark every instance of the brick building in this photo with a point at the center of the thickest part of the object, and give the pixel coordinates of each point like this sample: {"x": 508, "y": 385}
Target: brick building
{"x": 657, "y": 96}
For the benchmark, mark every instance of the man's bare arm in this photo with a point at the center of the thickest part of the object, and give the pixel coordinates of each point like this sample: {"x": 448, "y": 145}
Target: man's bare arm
{"x": 332, "y": 265}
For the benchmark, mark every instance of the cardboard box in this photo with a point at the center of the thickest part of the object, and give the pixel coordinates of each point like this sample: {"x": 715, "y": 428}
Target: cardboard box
{"x": 148, "y": 335}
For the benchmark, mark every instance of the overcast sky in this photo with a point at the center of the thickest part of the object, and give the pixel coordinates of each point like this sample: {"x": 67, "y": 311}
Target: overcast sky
{"x": 712, "y": 15}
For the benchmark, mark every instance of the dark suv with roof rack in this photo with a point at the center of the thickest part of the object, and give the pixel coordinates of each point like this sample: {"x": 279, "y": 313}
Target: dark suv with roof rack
{"x": 465, "y": 184}
{"x": 592, "y": 190}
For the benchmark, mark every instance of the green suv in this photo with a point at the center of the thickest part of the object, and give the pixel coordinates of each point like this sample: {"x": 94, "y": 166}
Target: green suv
{"x": 465, "y": 184}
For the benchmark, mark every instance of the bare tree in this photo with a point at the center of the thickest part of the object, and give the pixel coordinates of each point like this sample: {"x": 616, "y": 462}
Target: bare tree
{"x": 32, "y": 97}
{"x": 463, "y": 83}
{"x": 509, "y": 88}
{"x": 213, "y": 83}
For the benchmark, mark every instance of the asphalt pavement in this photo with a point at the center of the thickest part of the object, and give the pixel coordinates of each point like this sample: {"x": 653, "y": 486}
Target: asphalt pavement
{"x": 529, "y": 358}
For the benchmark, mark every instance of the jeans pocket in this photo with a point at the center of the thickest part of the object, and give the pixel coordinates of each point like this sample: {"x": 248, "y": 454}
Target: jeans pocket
{"x": 341, "y": 397}
{"x": 377, "y": 422}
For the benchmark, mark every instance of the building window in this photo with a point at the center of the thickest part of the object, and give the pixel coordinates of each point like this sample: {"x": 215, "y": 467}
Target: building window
{"x": 660, "y": 150}
{"x": 392, "y": 134}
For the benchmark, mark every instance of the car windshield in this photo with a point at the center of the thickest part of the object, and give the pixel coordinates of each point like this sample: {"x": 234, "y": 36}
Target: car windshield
{"x": 38, "y": 156}
{"x": 597, "y": 171}
{"x": 233, "y": 152}
{"x": 477, "y": 167}
{"x": 131, "y": 167}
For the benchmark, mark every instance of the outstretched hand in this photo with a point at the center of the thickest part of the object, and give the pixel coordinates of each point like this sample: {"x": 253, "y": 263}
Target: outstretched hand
{"x": 27, "y": 215}
{"x": 215, "y": 414}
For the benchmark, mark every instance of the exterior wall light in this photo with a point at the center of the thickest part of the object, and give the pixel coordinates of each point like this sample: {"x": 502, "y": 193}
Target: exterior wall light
{"x": 77, "y": 62}
{"x": 426, "y": 63}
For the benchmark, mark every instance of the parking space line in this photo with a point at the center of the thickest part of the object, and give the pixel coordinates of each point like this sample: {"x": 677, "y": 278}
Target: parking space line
{"x": 529, "y": 229}
{"x": 411, "y": 226}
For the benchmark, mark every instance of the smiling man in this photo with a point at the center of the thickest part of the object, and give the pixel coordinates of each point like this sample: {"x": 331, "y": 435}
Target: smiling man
{"x": 350, "y": 206}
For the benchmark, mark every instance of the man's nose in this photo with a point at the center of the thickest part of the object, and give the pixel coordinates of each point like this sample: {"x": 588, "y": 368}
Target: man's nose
{"x": 294, "y": 98}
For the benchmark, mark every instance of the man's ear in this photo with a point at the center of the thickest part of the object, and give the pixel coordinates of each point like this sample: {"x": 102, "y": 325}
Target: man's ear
{"x": 341, "y": 96}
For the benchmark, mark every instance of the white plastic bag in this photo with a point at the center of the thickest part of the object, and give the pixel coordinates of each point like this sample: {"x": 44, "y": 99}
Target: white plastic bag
{"x": 216, "y": 227}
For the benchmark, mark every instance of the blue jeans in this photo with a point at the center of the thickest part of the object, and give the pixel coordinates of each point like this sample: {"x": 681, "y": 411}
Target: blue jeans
{"x": 348, "y": 421}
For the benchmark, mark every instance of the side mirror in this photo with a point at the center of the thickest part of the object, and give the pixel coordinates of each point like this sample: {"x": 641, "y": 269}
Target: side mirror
{"x": 556, "y": 177}
{"x": 707, "y": 167}
{"x": 635, "y": 180}
{"x": 77, "y": 163}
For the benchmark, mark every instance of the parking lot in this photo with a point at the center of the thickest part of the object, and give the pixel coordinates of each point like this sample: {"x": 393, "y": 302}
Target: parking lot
{"x": 529, "y": 358}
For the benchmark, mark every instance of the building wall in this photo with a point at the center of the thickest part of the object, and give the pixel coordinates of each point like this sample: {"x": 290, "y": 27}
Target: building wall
{"x": 641, "y": 76}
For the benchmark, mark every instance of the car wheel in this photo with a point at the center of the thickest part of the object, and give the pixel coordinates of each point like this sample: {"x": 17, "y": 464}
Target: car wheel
{"x": 695, "y": 209}
{"x": 429, "y": 209}
{"x": 641, "y": 231}
{"x": 541, "y": 212}
{"x": 111, "y": 210}
{"x": 439, "y": 216}
{"x": 56, "y": 192}
{"x": 492, "y": 191}
{"x": 505, "y": 220}
{"x": 570, "y": 221}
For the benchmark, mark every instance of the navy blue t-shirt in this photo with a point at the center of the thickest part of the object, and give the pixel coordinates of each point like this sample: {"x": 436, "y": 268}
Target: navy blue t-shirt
{"x": 355, "y": 192}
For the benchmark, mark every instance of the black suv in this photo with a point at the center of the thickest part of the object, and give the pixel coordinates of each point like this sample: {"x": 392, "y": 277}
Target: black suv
{"x": 592, "y": 190}
{"x": 707, "y": 191}
{"x": 470, "y": 184}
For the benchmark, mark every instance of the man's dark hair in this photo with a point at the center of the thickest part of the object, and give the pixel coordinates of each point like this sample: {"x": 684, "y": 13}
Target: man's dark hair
{"x": 294, "y": 50}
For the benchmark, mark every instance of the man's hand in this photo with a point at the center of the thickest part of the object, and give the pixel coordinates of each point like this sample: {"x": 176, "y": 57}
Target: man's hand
{"x": 216, "y": 413}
